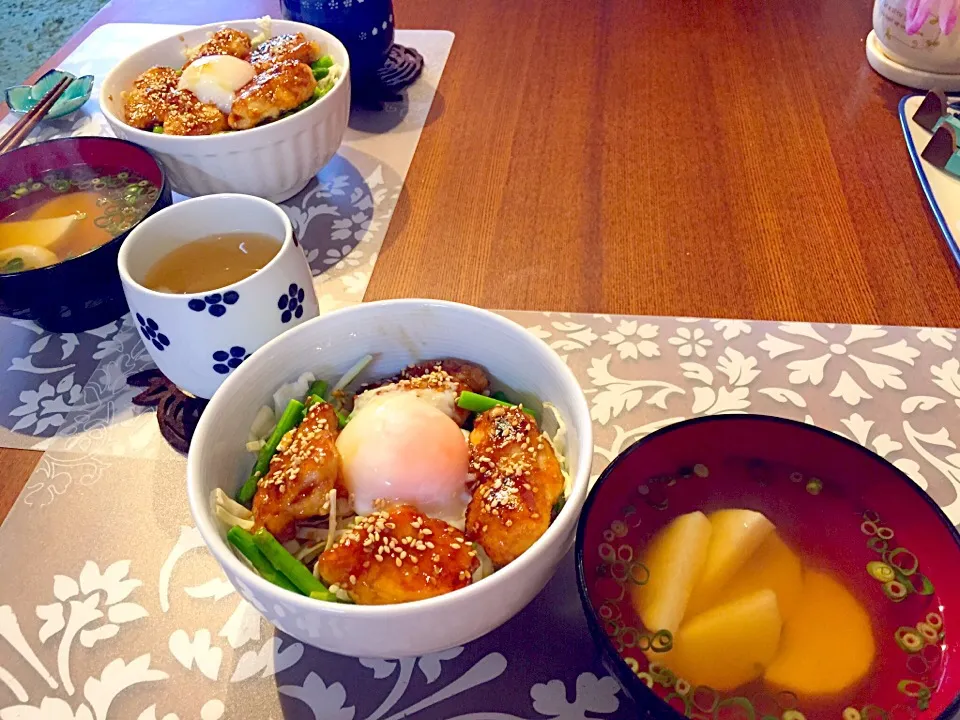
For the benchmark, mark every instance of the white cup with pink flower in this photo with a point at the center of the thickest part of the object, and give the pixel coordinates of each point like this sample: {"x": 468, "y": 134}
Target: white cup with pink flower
{"x": 916, "y": 43}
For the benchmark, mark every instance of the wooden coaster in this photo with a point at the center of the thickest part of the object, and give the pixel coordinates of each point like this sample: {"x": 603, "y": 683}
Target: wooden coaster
{"x": 177, "y": 412}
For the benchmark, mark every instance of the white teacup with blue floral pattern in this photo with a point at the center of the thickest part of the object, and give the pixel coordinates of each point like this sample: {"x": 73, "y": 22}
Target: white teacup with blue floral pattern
{"x": 198, "y": 339}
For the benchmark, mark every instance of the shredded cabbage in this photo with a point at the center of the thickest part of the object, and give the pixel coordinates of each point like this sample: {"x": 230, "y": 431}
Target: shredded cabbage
{"x": 350, "y": 375}
{"x": 326, "y": 84}
{"x": 264, "y": 25}
{"x": 559, "y": 444}
{"x": 231, "y": 506}
{"x": 311, "y": 533}
{"x": 292, "y": 546}
{"x": 332, "y": 531}
{"x": 187, "y": 50}
{"x": 263, "y": 424}
{"x": 308, "y": 552}
{"x": 296, "y": 390}
{"x": 486, "y": 564}
{"x": 230, "y": 520}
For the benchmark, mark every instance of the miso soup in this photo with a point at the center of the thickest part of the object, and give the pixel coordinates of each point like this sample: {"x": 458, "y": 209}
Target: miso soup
{"x": 67, "y": 213}
{"x": 740, "y": 606}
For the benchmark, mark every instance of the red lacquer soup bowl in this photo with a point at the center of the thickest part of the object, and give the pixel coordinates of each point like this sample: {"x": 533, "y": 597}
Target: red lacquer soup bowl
{"x": 837, "y": 505}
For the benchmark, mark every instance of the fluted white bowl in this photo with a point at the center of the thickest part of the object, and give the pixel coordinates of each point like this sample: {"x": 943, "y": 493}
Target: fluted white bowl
{"x": 274, "y": 161}
{"x": 397, "y": 333}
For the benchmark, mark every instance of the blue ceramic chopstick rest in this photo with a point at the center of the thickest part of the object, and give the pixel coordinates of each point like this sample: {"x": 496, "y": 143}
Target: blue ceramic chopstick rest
{"x": 20, "y": 98}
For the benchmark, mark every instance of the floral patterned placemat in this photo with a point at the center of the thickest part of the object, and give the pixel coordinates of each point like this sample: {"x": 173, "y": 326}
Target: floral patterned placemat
{"x": 341, "y": 219}
{"x": 117, "y": 611}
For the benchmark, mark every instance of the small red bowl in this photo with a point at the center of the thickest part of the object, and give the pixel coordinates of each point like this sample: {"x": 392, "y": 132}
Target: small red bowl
{"x": 83, "y": 292}
{"x": 830, "y": 499}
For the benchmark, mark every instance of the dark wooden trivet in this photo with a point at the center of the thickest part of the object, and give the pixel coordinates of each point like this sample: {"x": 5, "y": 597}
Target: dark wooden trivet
{"x": 177, "y": 412}
{"x": 401, "y": 68}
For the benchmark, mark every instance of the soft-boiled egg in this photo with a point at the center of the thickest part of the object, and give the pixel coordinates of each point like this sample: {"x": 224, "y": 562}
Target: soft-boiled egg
{"x": 399, "y": 448}
{"x": 215, "y": 79}
{"x": 443, "y": 400}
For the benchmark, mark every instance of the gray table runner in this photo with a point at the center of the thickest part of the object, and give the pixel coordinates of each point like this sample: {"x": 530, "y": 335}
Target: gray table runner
{"x": 114, "y": 609}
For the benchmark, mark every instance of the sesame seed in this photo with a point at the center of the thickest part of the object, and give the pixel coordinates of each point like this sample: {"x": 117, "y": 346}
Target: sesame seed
{"x": 455, "y": 546}
{"x": 379, "y": 557}
{"x": 427, "y": 531}
{"x": 399, "y": 562}
{"x": 353, "y": 579}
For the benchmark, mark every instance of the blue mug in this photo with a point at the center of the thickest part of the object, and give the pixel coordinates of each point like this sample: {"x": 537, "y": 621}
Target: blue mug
{"x": 365, "y": 27}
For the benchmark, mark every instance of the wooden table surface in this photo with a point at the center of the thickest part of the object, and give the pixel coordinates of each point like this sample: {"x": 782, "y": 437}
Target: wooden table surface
{"x": 734, "y": 159}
